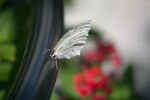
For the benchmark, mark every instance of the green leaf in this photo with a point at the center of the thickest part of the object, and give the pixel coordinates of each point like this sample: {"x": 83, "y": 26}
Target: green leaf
{"x": 54, "y": 96}
{"x": 94, "y": 33}
{"x": 2, "y": 93}
{"x": 5, "y": 69}
{"x": 124, "y": 89}
{"x": 128, "y": 75}
{"x": 7, "y": 52}
{"x": 7, "y": 26}
{"x": 121, "y": 92}
{"x": 67, "y": 70}
{"x": 1, "y": 2}
{"x": 68, "y": 2}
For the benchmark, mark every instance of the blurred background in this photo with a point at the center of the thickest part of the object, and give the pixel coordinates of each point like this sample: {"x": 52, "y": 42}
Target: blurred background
{"x": 115, "y": 62}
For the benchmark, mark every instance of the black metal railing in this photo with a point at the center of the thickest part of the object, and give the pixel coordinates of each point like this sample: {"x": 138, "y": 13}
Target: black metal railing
{"x": 38, "y": 73}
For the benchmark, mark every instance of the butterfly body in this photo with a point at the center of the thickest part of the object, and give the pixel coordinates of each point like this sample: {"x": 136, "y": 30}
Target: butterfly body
{"x": 52, "y": 54}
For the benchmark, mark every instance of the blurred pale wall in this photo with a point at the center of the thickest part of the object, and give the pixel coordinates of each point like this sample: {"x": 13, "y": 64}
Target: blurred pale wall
{"x": 124, "y": 22}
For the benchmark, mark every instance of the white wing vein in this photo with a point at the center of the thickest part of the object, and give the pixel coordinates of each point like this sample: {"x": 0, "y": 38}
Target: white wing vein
{"x": 73, "y": 41}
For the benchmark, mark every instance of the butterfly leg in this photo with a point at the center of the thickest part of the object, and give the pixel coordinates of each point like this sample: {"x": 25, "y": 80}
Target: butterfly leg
{"x": 56, "y": 65}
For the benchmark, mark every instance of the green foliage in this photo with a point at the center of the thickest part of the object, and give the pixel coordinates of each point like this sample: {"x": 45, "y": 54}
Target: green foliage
{"x": 121, "y": 92}
{"x": 128, "y": 75}
{"x": 66, "y": 75}
{"x": 1, "y": 2}
{"x": 7, "y": 48}
{"x": 7, "y": 52}
{"x": 124, "y": 89}
{"x": 94, "y": 34}
{"x": 67, "y": 69}
{"x": 5, "y": 71}
{"x": 13, "y": 37}
{"x": 54, "y": 96}
{"x": 7, "y": 26}
{"x": 2, "y": 93}
{"x": 68, "y": 2}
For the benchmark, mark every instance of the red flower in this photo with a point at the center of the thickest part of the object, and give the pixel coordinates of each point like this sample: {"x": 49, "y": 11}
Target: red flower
{"x": 116, "y": 61}
{"x": 93, "y": 82}
{"x": 90, "y": 56}
{"x": 103, "y": 51}
{"x": 104, "y": 84}
{"x": 106, "y": 48}
{"x": 92, "y": 76}
{"x": 81, "y": 86}
{"x": 96, "y": 79}
{"x": 90, "y": 81}
{"x": 111, "y": 49}
{"x": 94, "y": 56}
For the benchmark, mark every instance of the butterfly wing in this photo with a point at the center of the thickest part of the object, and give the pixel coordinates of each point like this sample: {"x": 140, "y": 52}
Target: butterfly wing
{"x": 73, "y": 41}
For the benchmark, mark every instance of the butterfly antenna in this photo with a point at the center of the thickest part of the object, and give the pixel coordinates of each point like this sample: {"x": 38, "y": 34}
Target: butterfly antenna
{"x": 46, "y": 51}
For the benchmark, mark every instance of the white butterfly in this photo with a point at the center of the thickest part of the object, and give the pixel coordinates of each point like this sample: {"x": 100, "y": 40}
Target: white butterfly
{"x": 72, "y": 42}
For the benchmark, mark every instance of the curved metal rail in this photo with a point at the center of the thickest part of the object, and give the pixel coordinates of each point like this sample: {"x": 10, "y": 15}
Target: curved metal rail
{"x": 38, "y": 73}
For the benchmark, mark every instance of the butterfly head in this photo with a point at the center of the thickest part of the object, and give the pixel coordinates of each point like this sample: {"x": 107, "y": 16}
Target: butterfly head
{"x": 52, "y": 54}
